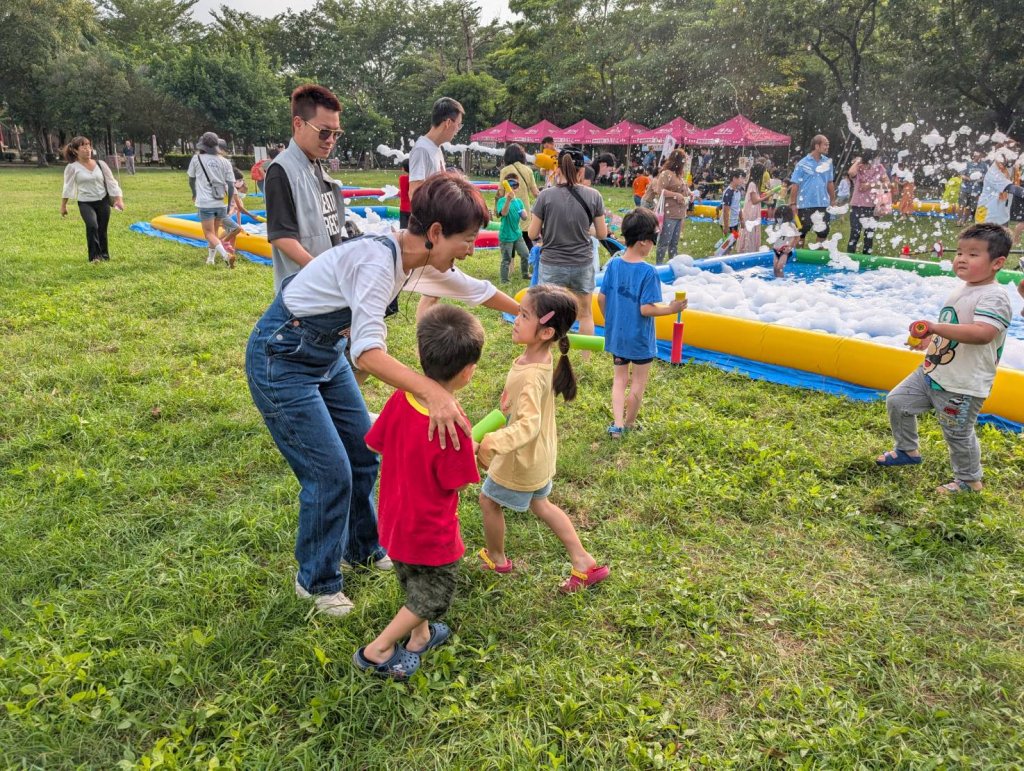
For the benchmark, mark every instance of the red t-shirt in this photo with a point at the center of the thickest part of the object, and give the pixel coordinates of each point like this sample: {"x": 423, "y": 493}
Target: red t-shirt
{"x": 404, "y": 202}
{"x": 417, "y": 510}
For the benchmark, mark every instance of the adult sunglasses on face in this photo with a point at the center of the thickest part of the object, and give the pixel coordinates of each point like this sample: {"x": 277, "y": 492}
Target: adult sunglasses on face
{"x": 325, "y": 134}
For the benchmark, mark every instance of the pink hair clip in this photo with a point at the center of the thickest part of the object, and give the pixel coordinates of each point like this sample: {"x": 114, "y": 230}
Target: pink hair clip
{"x": 546, "y": 317}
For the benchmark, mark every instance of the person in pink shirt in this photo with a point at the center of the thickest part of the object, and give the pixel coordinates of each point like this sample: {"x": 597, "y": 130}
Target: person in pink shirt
{"x": 869, "y": 200}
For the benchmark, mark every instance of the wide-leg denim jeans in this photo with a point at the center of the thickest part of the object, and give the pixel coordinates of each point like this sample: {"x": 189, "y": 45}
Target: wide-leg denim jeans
{"x": 304, "y": 387}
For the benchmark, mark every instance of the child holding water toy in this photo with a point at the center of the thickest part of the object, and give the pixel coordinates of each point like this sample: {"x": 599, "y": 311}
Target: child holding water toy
{"x": 630, "y": 299}
{"x": 419, "y": 497}
{"x": 520, "y": 458}
{"x": 512, "y": 212}
{"x": 963, "y": 349}
{"x": 782, "y": 237}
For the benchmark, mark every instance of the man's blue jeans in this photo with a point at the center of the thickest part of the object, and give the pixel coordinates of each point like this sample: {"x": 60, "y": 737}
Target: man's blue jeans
{"x": 303, "y": 386}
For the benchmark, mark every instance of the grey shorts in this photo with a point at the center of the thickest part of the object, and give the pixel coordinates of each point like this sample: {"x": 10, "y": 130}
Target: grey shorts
{"x": 229, "y": 224}
{"x": 429, "y": 589}
{"x": 517, "y": 500}
{"x": 578, "y": 279}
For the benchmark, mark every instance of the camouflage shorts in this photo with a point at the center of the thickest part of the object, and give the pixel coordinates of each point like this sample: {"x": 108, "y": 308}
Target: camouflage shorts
{"x": 429, "y": 589}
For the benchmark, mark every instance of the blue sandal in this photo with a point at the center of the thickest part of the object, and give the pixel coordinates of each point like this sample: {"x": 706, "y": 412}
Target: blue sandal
{"x": 898, "y": 458}
{"x": 439, "y": 634}
{"x": 615, "y": 432}
{"x": 954, "y": 487}
{"x": 400, "y": 666}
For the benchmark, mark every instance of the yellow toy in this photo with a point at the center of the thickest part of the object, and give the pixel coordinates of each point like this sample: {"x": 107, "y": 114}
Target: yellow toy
{"x": 546, "y": 160}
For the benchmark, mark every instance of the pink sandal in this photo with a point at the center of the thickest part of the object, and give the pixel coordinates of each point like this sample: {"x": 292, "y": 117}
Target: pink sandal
{"x": 578, "y": 580}
{"x": 489, "y": 564}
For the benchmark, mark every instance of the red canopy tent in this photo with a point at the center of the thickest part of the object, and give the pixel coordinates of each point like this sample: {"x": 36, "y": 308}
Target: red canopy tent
{"x": 739, "y": 132}
{"x": 535, "y": 133}
{"x": 681, "y": 131}
{"x": 579, "y": 133}
{"x": 499, "y": 133}
{"x": 622, "y": 133}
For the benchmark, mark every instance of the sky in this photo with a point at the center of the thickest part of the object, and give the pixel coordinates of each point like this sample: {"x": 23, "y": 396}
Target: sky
{"x": 489, "y": 9}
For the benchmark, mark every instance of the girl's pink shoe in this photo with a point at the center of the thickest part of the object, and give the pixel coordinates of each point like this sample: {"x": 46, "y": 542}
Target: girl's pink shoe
{"x": 578, "y": 580}
{"x": 489, "y": 564}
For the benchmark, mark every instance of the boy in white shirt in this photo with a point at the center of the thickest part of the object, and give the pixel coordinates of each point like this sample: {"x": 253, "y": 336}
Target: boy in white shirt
{"x": 963, "y": 350}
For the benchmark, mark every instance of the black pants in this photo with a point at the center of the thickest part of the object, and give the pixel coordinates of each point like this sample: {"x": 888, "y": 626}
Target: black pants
{"x": 96, "y": 215}
{"x": 868, "y": 212}
{"x": 806, "y": 222}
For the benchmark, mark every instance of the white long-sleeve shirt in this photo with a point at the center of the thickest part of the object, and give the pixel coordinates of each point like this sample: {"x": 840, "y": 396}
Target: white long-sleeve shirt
{"x": 86, "y": 185}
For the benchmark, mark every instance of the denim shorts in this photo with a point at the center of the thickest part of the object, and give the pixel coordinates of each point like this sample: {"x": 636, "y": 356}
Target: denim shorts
{"x": 229, "y": 224}
{"x": 217, "y": 212}
{"x": 517, "y": 500}
{"x": 576, "y": 278}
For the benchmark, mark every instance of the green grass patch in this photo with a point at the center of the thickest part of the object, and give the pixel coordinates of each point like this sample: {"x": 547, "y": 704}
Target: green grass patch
{"x": 775, "y": 599}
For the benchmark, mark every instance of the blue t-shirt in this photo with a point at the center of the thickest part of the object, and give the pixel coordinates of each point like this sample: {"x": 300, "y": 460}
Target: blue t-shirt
{"x": 510, "y": 230}
{"x": 813, "y": 183}
{"x": 733, "y": 198}
{"x": 626, "y": 286}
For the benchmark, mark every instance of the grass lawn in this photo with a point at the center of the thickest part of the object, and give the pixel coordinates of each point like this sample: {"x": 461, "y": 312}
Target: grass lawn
{"x": 775, "y": 600}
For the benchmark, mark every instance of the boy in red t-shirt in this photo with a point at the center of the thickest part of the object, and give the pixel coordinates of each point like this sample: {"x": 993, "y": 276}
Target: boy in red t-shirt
{"x": 404, "y": 200}
{"x": 418, "y": 521}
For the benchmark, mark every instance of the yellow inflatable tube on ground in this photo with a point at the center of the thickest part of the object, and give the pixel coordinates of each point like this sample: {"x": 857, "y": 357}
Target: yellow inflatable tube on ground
{"x": 255, "y": 244}
{"x": 845, "y": 358}
{"x": 706, "y": 210}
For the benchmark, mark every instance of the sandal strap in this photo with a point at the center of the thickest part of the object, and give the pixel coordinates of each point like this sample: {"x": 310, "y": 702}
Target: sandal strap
{"x": 578, "y": 574}
{"x": 487, "y": 559}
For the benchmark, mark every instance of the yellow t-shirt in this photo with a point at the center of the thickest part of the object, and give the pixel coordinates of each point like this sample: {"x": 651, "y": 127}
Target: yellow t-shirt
{"x": 522, "y": 455}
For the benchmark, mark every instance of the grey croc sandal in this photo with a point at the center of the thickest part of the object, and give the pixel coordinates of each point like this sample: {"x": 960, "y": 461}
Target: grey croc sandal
{"x": 439, "y": 634}
{"x": 400, "y": 666}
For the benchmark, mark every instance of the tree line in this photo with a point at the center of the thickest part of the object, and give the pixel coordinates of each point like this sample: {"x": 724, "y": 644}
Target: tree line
{"x": 134, "y": 68}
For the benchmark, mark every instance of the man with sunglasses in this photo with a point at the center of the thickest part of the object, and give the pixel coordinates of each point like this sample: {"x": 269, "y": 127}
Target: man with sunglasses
{"x": 305, "y": 207}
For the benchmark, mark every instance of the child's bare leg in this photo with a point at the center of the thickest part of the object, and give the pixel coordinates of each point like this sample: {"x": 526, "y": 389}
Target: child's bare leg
{"x": 585, "y": 317}
{"x": 561, "y": 526}
{"x": 404, "y": 624}
{"x": 636, "y": 391}
{"x": 494, "y": 529}
{"x": 619, "y": 382}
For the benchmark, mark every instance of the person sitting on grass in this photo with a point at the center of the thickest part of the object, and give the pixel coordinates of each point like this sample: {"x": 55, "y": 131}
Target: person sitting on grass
{"x": 630, "y": 299}
{"x": 418, "y": 520}
{"x": 510, "y": 237}
{"x": 520, "y": 458}
{"x": 963, "y": 351}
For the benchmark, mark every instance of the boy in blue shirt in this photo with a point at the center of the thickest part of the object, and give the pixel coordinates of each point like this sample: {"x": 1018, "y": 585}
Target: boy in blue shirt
{"x": 630, "y": 299}
{"x": 732, "y": 203}
{"x": 813, "y": 190}
{"x": 510, "y": 237}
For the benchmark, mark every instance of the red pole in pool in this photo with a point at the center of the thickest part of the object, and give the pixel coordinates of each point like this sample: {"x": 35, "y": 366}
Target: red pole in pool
{"x": 677, "y": 334}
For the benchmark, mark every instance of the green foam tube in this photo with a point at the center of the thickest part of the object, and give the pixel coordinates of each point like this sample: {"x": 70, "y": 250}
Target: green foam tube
{"x": 494, "y": 420}
{"x": 586, "y": 342}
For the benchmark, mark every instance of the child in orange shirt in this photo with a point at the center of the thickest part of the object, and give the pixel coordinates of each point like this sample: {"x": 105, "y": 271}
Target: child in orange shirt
{"x": 640, "y": 186}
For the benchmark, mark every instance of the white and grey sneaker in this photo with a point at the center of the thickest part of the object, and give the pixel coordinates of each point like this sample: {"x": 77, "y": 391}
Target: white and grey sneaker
{"x": 384, "y": 563}
{"x": 211, "y": 256}
{"x": 336, "y": 604}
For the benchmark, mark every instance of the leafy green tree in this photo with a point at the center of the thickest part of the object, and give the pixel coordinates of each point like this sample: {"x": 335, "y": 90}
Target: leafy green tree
{"x": 146, "y": 26}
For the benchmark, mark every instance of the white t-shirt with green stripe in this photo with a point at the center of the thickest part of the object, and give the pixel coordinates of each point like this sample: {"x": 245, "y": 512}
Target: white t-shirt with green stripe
{"x": 967, "y": 368}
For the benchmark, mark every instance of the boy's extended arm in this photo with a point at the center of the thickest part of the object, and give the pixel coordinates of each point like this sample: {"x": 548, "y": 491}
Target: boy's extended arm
{"x": 666, "y": 309}
{"x": 977, "y": 333}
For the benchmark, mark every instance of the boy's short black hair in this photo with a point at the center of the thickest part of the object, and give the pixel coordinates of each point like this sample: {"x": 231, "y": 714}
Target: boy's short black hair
{"x": 997, "y": 237}
{"x": 444, "y": 109}
{"x": 736, "y": 174}
{"x": 639, "y": 225}
{"x": 449, "y": 338}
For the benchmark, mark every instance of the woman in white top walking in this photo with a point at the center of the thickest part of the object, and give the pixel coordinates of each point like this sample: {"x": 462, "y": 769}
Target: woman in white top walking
{"x": 90, "y": 183}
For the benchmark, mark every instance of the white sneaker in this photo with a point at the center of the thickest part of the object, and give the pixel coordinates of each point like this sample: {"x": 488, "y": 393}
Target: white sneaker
{"x": 384, "y": 563}
{"x": 336, "y": 604}
{"x": 211, "y": 257}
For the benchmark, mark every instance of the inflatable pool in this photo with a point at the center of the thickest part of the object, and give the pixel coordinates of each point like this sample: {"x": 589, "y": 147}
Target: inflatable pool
{"x": 852, "y": 360}
{"x": 253, "y": 239}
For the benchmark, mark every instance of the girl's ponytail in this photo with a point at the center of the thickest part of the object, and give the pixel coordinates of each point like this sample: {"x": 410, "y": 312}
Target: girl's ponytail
{"x": 564, "y": 379}
{"x": 547, "y": 299}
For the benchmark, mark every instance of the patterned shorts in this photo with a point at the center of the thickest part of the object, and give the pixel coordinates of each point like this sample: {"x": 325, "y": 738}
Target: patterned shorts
{"x": 429, "y": 589}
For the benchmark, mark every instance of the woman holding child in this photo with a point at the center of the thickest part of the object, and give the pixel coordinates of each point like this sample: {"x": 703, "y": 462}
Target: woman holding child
{"x": 515, "y": 166}
{"x": 305, "y": 389}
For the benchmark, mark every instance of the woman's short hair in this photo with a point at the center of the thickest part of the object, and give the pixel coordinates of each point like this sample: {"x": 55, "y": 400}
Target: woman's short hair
{"x": 71, "y": 148}
{"x": 451, "y": 201}
{"x": 514, "y": 154}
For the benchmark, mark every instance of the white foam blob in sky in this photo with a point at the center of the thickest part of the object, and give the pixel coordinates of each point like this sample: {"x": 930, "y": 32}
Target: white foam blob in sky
{"x": 933, "y": 139}
{"x": 867, "y": 141}
{"x": 999, "y": 136}
{"x": 958, "y": 166}
{"x": 902, "y": 130}
{"x": 876, "y": 305}
{"x": 390, "y": 152}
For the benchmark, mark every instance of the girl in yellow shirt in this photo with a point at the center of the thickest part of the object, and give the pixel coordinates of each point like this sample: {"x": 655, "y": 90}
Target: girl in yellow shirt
{"x": 520, "y": 458}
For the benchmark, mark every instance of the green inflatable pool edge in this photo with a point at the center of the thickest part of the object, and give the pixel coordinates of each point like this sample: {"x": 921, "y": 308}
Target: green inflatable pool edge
{"x": 921, "y": 267}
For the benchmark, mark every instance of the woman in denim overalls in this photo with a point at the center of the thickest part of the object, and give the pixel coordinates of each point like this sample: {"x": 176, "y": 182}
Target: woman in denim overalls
{"x": 306, "y": 391}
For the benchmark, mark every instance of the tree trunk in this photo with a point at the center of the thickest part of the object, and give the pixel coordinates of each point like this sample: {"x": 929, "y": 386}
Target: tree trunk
{"x": 43, "y": 140}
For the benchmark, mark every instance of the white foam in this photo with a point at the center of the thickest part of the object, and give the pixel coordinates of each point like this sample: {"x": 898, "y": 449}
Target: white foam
{"x": 933, "y": 139}
{"x": 902, "y": 130}
{"x": 875, "y": 305}
{"x": 867, "y": 141}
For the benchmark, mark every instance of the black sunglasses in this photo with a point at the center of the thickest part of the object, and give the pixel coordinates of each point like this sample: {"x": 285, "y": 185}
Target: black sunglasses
{"x": 325, "y": 134}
